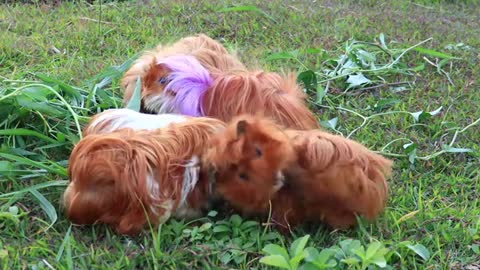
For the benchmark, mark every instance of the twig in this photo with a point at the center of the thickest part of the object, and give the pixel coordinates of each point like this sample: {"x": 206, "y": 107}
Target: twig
{"x": 361, "y": 90}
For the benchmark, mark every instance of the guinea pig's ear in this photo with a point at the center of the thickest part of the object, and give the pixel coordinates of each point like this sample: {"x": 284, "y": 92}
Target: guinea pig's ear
{"x": 156, "y": 74}
{"x": 242, "y": 126}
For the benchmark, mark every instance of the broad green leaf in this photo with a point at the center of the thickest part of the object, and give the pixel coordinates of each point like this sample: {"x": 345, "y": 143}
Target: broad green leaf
{"x": 349, "y": 245}
{"x": 309, "y": 79}
{"x": 420, "y": 250}
{"x": 437, "y": 111}
{"x": 379, "y": 260}
{"x": 275, "y": 260}
{"x": 226, "y": 258}
{"x": 46, "y": 206}
{"x": 212, "y": 213}
{"x": 38, "y": 93}
{"x": 42, "y": 106}
{"x": 421, "y": 115}
{"x": 325, "y": 255}
{"x": 205, "y": 227}
{"x": 13, "y": 210}
{"x": 6, "y": 168}
{"x": 270, "y": 236}
{"x": 412, "y": 156}
{"x": 311, "y": 254}
{"x": 476, "y": 249}
{"x": 360, "y": 252}
{"x": 298, "y": 245}
{"x": 310, "y": 266}
{"x": 350, "y": 261}
{"x": 136, "y": 99}
{"x": 450, "y": 149}
{"x": 236, "y": 220}
{"x": 372, "y": 249}
{"x": 221, "y": 228}
{"x": 321, "y": 92}
{"x": 357, "y": 80}
{"x": 321, "y": 260}
{"x": 366, "y": 57}
{"x": 347, "y": 67}
{"x": 273, "y": 249}
{"x": 295, "y": 261}
{"x": 332, "y": 123}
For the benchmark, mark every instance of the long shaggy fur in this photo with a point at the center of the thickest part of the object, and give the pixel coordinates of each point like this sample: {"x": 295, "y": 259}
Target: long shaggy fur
{"x": 265, "y": 93}
{"x": 307, "y": 175}
{"x": 217, "y": 87}
{"x": 128, "y": 175}
{"x": 210, "y": 53}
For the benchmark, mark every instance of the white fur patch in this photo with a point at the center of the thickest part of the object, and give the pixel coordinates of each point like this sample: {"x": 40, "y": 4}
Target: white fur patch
{"x": 152, "y": 186}
{"x": 190, "y": 179}
{"x": 160, "y": 104}
{"x": 126, "y": 118}
{"x": 154, "y": 192}
{"x": 280, "y": 181}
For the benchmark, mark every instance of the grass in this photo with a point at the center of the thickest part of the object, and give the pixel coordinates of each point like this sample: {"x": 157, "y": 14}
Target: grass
{"x": 60, "y": 63}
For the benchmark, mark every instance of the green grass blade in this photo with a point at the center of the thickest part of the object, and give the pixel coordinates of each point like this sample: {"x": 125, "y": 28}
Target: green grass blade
{"x": 26, "y": 132}
{"x": 247, "y": 8}
{"x": 46, "y": 206}
{"x": 434, "y": 53}
{"x": 59, "y": 170}
{"x": 66, "y": 245}
{"x": 56, "y": 183}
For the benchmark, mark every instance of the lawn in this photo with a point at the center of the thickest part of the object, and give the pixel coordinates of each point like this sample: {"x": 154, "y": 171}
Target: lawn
{"x": 399, "y": 76}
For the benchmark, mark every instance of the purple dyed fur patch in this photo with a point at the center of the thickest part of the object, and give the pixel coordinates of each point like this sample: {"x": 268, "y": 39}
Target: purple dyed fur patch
{"x": 189, "y": 80}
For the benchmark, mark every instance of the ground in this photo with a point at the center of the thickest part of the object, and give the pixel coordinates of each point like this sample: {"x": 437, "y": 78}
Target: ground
{"x": 60, "y": 62}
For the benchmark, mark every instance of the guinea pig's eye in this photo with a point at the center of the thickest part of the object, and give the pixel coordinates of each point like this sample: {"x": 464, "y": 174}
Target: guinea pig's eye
{"x": 258, "y": 152}
{"x": 163, "y": 80}
{"x": 243, "y": 176}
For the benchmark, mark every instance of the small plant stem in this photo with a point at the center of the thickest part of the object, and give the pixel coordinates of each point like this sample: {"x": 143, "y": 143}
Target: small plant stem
{"x": 462, "y": 130}
{"x": 340, "y": 63}
{"x": 381, "y": 68}
{"x": 360, "y": 90}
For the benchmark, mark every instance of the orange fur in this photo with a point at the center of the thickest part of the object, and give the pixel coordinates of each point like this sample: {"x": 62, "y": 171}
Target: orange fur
{"x": 322, "y": 176}
{"x": 235, "y": 90}
{"x": 210, "y": 53}
{"x": 108, "y": 174}
{"x": 268, "y": 93}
